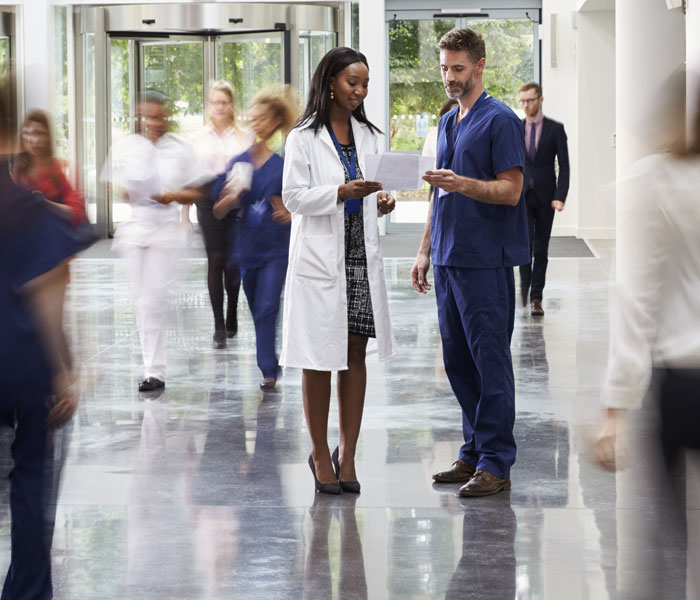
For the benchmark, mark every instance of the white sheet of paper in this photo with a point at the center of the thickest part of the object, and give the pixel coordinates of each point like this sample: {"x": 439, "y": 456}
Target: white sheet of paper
{"x": 397, "y": 171}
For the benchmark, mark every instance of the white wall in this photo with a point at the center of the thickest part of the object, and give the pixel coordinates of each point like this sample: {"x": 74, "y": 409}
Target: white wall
{"x": 33, "y": 33}
{"x": 692, "y": 27}
{"x": 373, "y": 45}
{"x": 596, "y": 113}
{"x": 560, "y": 98}
{"x": 580, "y": 92}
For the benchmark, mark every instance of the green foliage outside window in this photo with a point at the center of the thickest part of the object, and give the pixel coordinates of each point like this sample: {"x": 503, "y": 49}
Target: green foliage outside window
{"x": 415, "y": 84}
{"x": 250, "y": 66}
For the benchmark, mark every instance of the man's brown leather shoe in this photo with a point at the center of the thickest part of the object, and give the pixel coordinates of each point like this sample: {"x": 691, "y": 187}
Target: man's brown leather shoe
{"x": 536, "y": 308}
{"x": 459, "y": 471}
{"x": 484, "y": 484}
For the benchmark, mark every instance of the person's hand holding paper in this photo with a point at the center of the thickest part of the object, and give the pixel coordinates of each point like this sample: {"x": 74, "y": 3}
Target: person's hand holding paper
{"x": 396, "y": 171}
{"x": 445, "y": 180}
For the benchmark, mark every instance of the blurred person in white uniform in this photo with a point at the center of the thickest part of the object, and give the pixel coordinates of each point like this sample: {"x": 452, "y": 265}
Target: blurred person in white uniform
{"x": 655, "y": 322}
{"x": 157, "y": 171}
{"x": 216, "y": 144}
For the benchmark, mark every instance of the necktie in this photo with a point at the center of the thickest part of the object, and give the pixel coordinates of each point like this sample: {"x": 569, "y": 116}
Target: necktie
{"x": 533, "y": 149}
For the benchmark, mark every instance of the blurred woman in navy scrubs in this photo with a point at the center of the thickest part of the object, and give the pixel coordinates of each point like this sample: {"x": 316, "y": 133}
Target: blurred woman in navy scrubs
{"x": 37, "y": 390}
{"x": 253, "y": 183}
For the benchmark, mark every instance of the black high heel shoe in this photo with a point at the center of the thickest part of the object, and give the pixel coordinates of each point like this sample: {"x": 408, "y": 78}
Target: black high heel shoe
{"x": 323, "y": 488}
{"x": 352, "y": 487}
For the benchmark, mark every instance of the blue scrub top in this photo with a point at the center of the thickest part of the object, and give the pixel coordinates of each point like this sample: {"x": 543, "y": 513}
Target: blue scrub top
{"x": 466, "y": 233}
{"x": 30, "y": 244}
{"x": 259, "y": 239}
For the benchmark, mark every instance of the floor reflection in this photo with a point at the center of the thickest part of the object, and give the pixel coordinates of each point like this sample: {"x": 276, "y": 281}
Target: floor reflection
{"x": 202, "y": 492}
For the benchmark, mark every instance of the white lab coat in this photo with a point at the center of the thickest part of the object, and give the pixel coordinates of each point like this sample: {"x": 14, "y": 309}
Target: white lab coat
{"x": 315, "y": 323}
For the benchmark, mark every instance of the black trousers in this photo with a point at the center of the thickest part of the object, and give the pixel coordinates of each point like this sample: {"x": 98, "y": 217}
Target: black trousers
{"x": 679, "y": 411}
{"x": 540, "y": 216}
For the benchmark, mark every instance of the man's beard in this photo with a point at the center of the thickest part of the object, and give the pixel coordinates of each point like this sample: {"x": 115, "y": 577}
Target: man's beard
{"x": 463, "y": 89}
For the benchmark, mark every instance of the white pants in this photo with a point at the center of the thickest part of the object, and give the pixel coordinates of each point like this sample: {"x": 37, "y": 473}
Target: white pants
{"x": 152, "y": 275}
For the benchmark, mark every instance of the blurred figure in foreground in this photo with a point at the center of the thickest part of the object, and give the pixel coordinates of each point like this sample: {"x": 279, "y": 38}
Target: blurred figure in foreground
{"x": 157, "y": 171}
{"x": 263, "y": 227}
{"x": 221, "y": 140}
{"x": 655, "y": 321}
{"x": 36, "y": 379}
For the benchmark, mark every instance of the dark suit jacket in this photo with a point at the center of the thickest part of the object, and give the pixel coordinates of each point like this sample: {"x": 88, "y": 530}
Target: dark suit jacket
{"x": 552, "y": 143}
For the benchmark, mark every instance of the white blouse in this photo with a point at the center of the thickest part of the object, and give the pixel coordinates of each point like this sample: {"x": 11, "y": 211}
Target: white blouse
{"x": 655, "y": 319}
{"x": 214, "y": 150}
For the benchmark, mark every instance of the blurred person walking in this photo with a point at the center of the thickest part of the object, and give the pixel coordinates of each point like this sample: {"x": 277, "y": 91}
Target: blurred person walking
{"x": 263, "y": 225}
{"x": 157, "y": 170}
{"x": 475, "y": 234}
{"x": 220, "y": 140}
{"x": 655, "y": 316}
{"x": 36, "y": 169}
{"x": 335, "y": 295}
{"x": 36, "y": 372}
{"x": 545, "y": 189}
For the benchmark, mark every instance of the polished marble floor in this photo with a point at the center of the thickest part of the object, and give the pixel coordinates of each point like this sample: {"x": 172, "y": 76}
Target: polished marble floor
{"x": 203, "y": 491}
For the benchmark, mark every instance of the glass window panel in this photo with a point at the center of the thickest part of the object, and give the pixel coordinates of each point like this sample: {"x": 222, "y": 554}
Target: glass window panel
{"x": 313, "y": 46}
{"x": 122, "y": 110}
{"x": 250, "y": 63}
{"x": 509, "y": 57}
{"x": 89, "y": 150}
{"x": 176, "y": 69}
{"x": 4, "y": 73}
{"x": 60, "y": 107}
{"x": 415, "y": 88}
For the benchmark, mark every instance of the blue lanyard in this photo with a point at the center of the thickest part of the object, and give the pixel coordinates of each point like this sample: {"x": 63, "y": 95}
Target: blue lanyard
{"x": 448, "y": 153}
{"x": 352, "y": 205}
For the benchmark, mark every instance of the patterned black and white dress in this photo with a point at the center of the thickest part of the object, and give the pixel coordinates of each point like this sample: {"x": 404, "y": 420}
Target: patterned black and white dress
{"x": 360, "y": 315}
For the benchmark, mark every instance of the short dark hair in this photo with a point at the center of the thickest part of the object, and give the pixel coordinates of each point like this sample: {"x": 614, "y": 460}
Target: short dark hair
{"x": 532, "y": 85}
{"x": 154, "y": 97}
{"x": 464, "y": 39}
{"x": 318, "y": 107}
{"x": 447, "y": 106}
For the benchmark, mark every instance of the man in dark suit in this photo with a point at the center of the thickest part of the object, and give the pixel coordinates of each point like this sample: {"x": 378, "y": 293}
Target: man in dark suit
{"x": 545, "y": 192}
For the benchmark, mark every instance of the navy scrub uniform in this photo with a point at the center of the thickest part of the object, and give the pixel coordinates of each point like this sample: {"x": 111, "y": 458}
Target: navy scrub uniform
{"x": 32, "y": 242}
{"x": 474, "y": 247}
{"x": 261, "y": 249}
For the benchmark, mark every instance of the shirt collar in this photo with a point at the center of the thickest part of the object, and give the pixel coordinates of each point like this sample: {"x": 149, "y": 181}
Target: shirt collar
{"x": 536, "y": 121}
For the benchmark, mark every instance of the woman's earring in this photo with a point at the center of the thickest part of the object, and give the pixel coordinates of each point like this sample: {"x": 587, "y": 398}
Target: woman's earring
{"x": 332, "y": 95}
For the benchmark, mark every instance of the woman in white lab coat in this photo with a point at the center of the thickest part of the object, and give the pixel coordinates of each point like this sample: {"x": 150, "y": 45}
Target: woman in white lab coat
{"x": 335, "y": 296}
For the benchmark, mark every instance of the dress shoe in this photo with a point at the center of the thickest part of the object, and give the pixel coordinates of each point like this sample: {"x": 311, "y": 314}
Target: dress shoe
{"x": 268, "y": 385}
{"x": 151, "y": 383}
{"x": 523, "y": 296}
{"x": 352, "y": 487}
{"x": 484, "y": 484}
{"x": 323, "y": 488}
{"x": 536, "y": 309}
{"x": 459, "y": 471}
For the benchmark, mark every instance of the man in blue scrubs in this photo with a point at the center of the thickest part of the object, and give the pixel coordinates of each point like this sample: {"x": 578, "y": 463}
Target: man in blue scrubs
{"x": 476, "y": 233}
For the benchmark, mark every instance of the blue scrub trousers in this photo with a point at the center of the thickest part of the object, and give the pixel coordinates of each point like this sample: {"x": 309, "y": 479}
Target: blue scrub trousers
{"x": 263, "y": 288}
{"x": 29, "y": 575}
{"x": 476, "y": 314}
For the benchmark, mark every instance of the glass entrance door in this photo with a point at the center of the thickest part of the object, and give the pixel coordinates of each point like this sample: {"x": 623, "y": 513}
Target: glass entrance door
{"x": 250, "y": 63}
{"x": 176, "y": 69}
{"x": 180, "y": 68}
{"x": 416, "y": 94}
{"x": 5, "y": 71}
